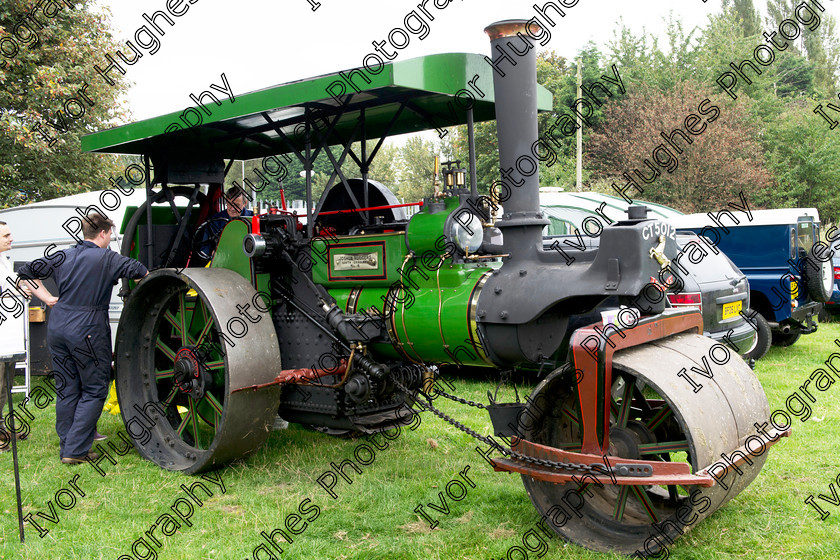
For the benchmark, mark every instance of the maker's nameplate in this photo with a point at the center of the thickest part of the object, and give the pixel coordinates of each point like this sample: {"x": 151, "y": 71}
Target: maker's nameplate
{"x": 355, "y": 261}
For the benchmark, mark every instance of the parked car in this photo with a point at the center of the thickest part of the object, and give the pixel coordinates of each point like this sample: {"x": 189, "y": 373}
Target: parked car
{"x": 776, "y": 250}
{"x": 567, "y": 210}
{"x": 832, "y": 306}
{"x": 714, "y": 285}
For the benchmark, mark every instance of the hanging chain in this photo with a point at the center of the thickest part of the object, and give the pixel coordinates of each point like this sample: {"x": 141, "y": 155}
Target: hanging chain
{"x": 459, "y": 399}
{"x": 581, "y": 467}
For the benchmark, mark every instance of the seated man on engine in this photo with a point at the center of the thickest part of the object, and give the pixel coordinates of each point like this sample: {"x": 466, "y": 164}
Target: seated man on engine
{"x": 235, "y": 207}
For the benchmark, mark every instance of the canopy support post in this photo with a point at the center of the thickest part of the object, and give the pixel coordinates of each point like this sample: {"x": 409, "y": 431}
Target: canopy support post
{"x": 150, "y": 238}
{"x": 307, "y": 166}
{"x": 471, "y": 144}
{"x": 364, "y": 168}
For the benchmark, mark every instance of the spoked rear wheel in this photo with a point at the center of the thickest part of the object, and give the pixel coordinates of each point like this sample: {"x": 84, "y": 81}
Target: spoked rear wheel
{"x": 656, "y": 416}
{"x": 181, "y": 355}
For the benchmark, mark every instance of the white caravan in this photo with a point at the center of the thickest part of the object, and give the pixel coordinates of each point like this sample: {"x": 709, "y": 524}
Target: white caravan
{"x": 50, "y": 226}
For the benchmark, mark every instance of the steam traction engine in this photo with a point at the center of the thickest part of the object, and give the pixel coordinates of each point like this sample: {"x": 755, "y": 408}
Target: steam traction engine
{"x": 340, "y": 322}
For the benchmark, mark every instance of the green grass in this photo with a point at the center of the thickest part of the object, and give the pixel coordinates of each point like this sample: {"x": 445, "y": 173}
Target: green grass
{"x": 374, "y": 517}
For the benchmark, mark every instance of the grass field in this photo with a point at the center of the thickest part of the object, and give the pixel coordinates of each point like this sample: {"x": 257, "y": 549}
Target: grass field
{"x": 374, "y": 516}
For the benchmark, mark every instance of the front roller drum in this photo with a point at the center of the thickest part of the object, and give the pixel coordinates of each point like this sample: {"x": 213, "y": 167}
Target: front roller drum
{"x": 656, "y": 415}
{"x": 187, "y": 341}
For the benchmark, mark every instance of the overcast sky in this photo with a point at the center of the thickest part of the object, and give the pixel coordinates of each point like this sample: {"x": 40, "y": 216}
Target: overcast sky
{"x": 259, "y": 43}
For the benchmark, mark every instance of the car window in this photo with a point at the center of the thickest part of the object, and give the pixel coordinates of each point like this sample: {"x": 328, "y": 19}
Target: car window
{"x": 805, "y": 234}
{"x": 703, "y": 263}
{"x": 559, "y": 227}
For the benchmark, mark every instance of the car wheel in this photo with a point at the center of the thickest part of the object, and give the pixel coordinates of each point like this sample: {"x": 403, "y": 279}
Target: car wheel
{"x": 763, "y": 337}
{"x": 785, "y": 339}
{"x": 820, "y": 284}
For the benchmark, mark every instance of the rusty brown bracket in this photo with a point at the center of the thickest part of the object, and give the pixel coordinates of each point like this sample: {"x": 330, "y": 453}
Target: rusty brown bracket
{"x": 298, "y": 376}
{"x": 594, "y": 362}
{"x": 663, "y": 473}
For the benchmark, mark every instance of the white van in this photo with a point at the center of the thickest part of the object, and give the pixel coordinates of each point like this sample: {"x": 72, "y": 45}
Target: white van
{"x": 53, "y": 225}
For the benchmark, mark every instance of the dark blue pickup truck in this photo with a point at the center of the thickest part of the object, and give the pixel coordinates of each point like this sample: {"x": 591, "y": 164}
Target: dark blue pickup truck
{"x": 789, "y": 270}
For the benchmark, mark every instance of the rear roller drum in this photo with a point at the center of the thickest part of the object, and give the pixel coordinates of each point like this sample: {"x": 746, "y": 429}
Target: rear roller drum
{"x": 181, "y": 354}
{"x": 656, "y": 416}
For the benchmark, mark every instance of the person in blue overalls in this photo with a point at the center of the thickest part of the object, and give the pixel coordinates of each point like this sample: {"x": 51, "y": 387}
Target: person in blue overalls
{"x": 78, "y": 333}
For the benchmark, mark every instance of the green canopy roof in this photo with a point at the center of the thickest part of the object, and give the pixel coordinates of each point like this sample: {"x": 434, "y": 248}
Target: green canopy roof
{"x": 248, "y": 127}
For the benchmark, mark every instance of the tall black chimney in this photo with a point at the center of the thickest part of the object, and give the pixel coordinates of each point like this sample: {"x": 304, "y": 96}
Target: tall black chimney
{"x": 514, "y": 65}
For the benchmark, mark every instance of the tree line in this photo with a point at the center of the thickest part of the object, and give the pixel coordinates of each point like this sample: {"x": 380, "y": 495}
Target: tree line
{"x": 769, "y": 143}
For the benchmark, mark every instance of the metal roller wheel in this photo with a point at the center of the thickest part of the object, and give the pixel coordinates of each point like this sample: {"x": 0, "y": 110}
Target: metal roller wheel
{"x": 179, "y": 357}
{"x": 665, "y": 420}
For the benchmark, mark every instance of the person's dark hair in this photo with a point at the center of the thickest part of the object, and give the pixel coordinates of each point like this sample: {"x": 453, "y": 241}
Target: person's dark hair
{"x": 235, "y": 192}
{"x": 94, "y": 223}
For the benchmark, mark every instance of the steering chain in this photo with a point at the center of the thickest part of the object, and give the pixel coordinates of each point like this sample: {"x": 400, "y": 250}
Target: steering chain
{"x": 561, "y": 465}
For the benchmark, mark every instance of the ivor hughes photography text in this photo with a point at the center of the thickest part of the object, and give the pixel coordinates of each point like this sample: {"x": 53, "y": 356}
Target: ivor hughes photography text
{"x": 308, "y": 279}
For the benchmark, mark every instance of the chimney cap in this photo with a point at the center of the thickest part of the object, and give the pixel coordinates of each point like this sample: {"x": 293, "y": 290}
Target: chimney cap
{"x": 509, "y": 28}
{"x": 637, "y": 212}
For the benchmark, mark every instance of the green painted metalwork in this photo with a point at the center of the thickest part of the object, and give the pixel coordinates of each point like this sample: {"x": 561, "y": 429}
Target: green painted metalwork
{"x": 229, "y": 253}
{"x": 425, "y": 231}
{"x": 442, "y": 86}
{"x": 434, "y": 321}
{"x": 373, "y": 259}
{"x": 429, "y": 312}
{"x": 428, "y": 301}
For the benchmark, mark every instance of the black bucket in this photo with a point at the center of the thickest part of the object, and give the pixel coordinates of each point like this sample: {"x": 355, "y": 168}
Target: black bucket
{"x": 505, "y": 418}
